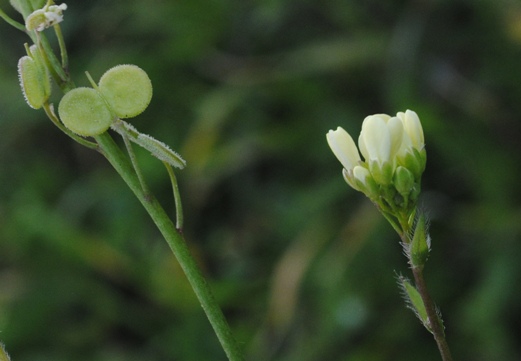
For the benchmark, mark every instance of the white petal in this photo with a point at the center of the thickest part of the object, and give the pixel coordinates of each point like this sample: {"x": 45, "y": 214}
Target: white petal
{"x": 376, "y": 139}
{"x": 343, "y": 147}
{"x": 414, "y": 129}
{"x": 396, "y": 132}
{"x": 361, "y": 173}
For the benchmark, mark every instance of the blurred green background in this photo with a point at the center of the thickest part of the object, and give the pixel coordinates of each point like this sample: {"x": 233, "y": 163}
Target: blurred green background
{"x": 303, "y": 266}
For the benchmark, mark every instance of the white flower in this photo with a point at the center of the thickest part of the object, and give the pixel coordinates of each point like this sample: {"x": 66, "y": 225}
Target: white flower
{"x": 413, "y": 131}
{"x": 344, "y": 148}
{"x": 386, "y": 144}
{"x": 380, "y": 138}
{"x": 42, "y": 19}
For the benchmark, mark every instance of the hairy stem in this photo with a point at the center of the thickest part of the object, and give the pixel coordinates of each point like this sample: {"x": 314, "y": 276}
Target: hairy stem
{"x": 177, "y": 244}
{"x": 434, "y": 320}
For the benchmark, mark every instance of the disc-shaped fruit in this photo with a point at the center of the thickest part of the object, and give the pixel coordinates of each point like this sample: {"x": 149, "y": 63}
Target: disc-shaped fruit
{"x": 127, "y": 89}
{"x": 84, "y": 111}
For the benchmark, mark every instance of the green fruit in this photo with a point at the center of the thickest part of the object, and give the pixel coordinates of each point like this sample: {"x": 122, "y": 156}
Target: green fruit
{"x": 85, "y": 112}
{"x": 127, "y": 89}
{"x": 34, "y": 81}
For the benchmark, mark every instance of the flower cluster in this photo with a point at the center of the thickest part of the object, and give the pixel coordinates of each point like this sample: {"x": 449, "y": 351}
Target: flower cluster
{"x": 394, "y": 155}
{"x": 42, "y": 19}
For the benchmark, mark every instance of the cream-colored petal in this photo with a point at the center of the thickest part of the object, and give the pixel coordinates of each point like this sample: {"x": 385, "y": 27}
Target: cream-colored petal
{"x": 413, "y": 128}
{"x": 396, "y": 132}
{"x": 375, "y": 138}
{"x": 343, "y": 147}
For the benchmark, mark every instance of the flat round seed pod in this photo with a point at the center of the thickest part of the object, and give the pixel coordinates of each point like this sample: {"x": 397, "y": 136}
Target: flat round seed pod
{"x": 84, "y": 111}
{"x": 127, "y": 89}
{"x": 34, "y": 82}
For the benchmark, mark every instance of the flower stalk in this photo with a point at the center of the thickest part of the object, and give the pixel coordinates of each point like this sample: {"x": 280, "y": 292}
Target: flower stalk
{"x": 34, "y": 74}
{"x": 394, "y": 158}
{"x": 176, "y": 242}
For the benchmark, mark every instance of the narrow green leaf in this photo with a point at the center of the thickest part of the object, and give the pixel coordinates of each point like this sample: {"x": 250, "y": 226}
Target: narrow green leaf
{"x": 160, "y": 150}
{"x": 420, "y": 245}
{"x": 414, "y": 301}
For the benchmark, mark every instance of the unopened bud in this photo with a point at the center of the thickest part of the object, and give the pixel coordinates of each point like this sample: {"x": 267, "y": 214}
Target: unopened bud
{"x": 403, "y": 181}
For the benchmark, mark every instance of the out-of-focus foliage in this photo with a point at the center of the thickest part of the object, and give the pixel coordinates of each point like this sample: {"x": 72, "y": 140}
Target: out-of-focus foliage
{"x": 302, "y": 265}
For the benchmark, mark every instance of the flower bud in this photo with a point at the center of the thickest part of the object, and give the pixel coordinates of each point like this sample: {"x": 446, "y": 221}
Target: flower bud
{"x": 413, "y": 128}
{"x": 380, "y": 138}
{"x": 365, "y": 182}
{"x": 343, "y": 148}
{"x": 403, "y": 181}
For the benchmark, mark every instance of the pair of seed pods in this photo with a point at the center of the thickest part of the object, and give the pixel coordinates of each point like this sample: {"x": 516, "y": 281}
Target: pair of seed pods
{"x": 123, "y": 92}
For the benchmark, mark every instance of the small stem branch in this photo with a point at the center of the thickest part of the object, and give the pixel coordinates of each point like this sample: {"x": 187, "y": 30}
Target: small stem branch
{"x": 63, "y": 49}
{"x": 135, "y": 164}
{"x": 434, "y": 321}
{"x": 177, "y": 197}
{"x": 50, "y": 114}
{"x": 12, "y": 22}
{"x": 176, "y": 243}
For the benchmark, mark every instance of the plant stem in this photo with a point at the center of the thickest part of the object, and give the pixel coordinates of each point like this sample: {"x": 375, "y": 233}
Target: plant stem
{"x": 434, "y": 320}
{"x": 176, "y": 243}
{"x": 12, "y": 22}
{"x": 177, "y": 197}
{"x": 135, "y": 164}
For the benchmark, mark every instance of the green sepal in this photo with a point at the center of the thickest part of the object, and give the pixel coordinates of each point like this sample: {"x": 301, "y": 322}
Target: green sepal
{"x": 403, "y": 181}
{"x": 382, "y": 173}
{"x": 411, "y": 160}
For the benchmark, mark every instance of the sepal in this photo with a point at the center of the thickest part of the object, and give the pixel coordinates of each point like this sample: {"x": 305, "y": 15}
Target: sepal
{"x": 403, "y": 181}
{"x": 382, "y": 172}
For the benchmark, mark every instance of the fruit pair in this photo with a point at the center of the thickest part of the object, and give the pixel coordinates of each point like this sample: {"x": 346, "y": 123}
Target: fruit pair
{"x": 123, "y": 92}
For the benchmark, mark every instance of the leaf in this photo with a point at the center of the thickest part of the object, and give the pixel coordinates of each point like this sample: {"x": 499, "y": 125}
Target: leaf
{"x": 414, "y": 301}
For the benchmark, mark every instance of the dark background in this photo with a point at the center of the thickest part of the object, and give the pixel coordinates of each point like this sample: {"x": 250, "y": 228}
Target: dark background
{"x": 303, "y": 266}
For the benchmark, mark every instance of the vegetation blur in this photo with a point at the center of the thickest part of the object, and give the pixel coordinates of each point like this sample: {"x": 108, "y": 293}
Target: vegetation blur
{"x": 304, "y": 267}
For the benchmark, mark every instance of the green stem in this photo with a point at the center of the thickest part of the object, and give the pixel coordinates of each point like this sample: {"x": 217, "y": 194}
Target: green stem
{"x": 434, "y": 320}
{"x": 135, "y": 164}
{"x": 177, "y": 197}
{"x": 176, "y": 243}
{"x": 12, "y": 22}
{"x": 50, "y": 114}
{"x": 63, "y": 49}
